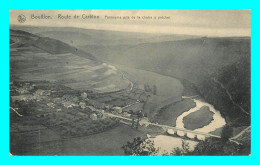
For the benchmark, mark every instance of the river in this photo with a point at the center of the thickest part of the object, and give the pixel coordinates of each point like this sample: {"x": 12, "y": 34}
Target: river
{"x": 167, "y": 143}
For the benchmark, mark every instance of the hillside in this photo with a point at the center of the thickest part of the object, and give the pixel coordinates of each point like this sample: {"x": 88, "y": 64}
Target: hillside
{"x": 191, "y": 59}
{"x": 34, "y": 58}
{"x": 47, "y": 44}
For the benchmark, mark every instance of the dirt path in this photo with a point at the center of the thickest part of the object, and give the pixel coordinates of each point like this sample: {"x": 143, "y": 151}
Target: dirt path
{"x": 129, "y": 105}
{"x": 241, "y": 133}
{"x": 229, "y": 95}
{"x": 14, "y": 109}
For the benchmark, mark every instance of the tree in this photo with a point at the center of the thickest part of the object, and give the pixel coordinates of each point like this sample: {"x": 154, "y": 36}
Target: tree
{"x": 141, "y": 147}
{"x": 154, "y": 89}
{"x": 210, "y": 146}
{"x": 147, "y": 88}
{"x": 226, "y": 133}
{"x": 184, "y": 150}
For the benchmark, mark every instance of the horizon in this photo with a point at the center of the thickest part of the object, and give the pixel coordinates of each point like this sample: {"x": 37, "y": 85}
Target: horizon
{"x": 154, "y": 34}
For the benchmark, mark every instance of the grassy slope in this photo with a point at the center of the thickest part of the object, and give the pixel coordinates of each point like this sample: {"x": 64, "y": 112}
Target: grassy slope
{"x": 44, "y": 43}
{"x": 36, "y": 58}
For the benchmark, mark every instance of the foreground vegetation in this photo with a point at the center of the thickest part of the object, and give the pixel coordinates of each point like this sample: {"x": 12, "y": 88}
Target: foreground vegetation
{"x": 211, "y": 146}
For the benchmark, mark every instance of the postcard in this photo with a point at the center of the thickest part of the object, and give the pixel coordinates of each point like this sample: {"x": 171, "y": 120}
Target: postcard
{"x": 130, "y": 82}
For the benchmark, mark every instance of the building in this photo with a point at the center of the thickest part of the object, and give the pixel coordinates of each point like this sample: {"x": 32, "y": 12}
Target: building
{"x": 84, "y": 95}
{"x": 51, "y": 105}
{"x": 82, "y": 105}
{"x": 93, "y": 116}
{"x": 41, "y": 92}
{"x": 57, "y": 100}
{"x": 117, "y": 109}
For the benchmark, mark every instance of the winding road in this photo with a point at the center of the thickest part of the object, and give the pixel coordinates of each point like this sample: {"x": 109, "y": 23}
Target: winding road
{"x": 14, "y": 109}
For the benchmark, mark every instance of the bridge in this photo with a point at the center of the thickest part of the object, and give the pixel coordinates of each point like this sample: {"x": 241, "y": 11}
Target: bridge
{"x": 182, "y": 132}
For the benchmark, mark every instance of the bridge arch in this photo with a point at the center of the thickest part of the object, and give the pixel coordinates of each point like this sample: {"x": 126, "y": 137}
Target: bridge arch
{"x": 180, "y": 133}
{"x": 171, "y": 131}
{"x": 191, "y": 135}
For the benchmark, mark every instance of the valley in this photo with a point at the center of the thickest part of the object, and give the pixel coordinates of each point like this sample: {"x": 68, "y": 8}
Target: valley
{"x": 81, "y": 98}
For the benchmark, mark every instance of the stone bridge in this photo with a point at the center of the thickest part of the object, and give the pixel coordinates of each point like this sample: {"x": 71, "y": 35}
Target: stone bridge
{"x": 181, "y": 132}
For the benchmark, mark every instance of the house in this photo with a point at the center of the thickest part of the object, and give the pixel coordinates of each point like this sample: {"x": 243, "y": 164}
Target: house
{"x": 69, "y": 98}
{"x": 99, "y": 115}
{"x": 22, "y": 91}
{"x": 117, "y": 109}
{"x": 57, "y": 100}
{"x": 20, "y": 98}
{"x": 51, "y": 105}
{"x": 93, "y": 116}
{"x": 126, "y": 114}
{"x": 28, "y": 86}
{"x": 82, "y": 105}
{"x": 68, "y": 104}
{"x": 74, "y": 99}
{"x": 41, "y": 92}
{"x": 84, "y": 95}
{"x": 99, "y": 105}
{"x": 107, "y": 107}
{"x": 92, "y": 108}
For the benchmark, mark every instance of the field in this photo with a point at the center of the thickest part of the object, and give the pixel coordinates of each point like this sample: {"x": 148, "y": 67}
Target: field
{"x": 106, "y": 143}
{"x": 42, "y": 117}
{"x": 168, "y": 114}
{"x": 198, "y": 119}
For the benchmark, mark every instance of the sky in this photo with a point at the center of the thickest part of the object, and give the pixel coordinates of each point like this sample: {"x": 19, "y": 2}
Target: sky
{"x": 221, "y": 23}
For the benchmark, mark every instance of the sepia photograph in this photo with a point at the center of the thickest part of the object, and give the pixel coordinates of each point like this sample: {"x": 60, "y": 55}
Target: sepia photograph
{"x": 130, "y": 82}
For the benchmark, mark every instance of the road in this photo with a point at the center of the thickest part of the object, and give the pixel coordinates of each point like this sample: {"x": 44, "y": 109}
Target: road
{"x": 14, "y": 109}
{"x": 137, "y": 101}
{"x": 124, "y": 77}
{"x": 131, "y": 83}
{"x": 189, "y": 97}
{"x": 241, "y": 133}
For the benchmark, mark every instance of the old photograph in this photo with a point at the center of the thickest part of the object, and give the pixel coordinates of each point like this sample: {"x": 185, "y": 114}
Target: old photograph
{"x": 130, "y": 82}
